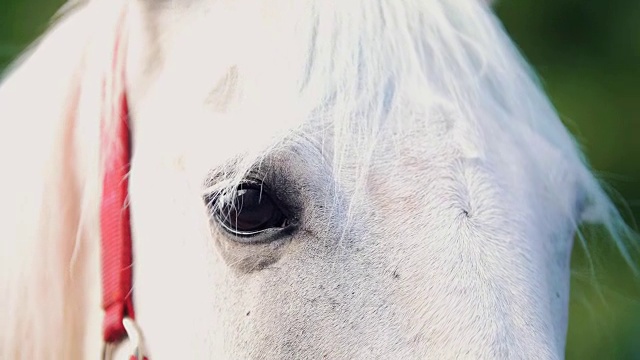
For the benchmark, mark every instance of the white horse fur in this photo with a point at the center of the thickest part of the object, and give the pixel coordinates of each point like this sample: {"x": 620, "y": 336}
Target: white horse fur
{"x": 437, "y": 190}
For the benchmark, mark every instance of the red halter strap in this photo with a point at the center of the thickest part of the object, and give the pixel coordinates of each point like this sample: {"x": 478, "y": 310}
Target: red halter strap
{"x": 115, "y": 229}
{"x": 117, "y": 300}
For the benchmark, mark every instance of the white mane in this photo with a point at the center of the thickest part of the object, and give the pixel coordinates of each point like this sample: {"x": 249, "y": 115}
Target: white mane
{"x": 404, "y": 60}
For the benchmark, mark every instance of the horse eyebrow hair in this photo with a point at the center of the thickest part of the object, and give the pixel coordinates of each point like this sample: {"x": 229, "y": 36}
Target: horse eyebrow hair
{"x": 218, "y": 177}
{"x": 228, "y": 175}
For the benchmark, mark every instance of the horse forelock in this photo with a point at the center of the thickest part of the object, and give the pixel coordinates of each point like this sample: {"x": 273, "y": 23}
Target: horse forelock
{"x": 355, "y": 70}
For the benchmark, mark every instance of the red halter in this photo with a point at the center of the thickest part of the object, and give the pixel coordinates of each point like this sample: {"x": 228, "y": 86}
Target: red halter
{"x": 115, "y": 229}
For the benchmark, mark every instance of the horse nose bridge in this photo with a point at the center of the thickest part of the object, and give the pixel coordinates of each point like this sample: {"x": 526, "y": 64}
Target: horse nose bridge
{"x": 462, "y": 288}
{"x": 472, "y": 306}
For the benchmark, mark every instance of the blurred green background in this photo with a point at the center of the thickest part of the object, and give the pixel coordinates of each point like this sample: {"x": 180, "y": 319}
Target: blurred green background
{"x": 587, "y": 53}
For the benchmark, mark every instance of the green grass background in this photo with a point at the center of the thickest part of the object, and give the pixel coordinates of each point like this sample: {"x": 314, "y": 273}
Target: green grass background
{"x": 587, "y": 53}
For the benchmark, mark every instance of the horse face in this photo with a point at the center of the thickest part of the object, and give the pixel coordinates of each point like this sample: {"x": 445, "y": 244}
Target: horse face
{"x": 446, "y": 244}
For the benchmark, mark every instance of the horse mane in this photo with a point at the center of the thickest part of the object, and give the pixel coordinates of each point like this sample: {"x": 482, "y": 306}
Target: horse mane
{"x": 50, "y": 111}
{"x": 450, "y": 56}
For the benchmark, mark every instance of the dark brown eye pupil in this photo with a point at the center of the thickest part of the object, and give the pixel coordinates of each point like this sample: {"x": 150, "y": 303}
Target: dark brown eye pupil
{"x": 250, "y": 212}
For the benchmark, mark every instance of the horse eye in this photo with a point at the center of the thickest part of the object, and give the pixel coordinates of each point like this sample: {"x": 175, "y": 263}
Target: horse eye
{"x": 251, "y": 212}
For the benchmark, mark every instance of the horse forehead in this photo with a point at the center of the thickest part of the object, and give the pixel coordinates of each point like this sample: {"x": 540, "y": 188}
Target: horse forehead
{"x": 204, "y": 130}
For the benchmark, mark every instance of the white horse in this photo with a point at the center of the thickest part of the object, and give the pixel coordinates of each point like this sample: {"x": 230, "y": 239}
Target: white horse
{"x": 310, "y": 179}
